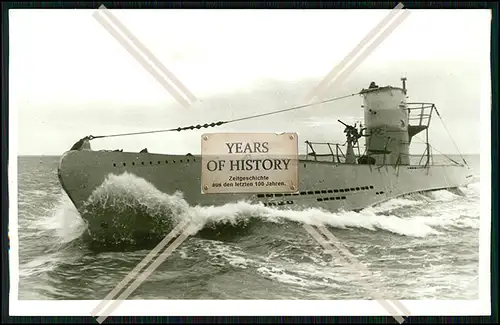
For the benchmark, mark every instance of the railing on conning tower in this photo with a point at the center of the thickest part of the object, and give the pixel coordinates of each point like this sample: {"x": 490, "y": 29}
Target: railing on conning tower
{"x": 419, "y": 114}
{"x": 419, "y": 118}
{"x": 336, "y": 151}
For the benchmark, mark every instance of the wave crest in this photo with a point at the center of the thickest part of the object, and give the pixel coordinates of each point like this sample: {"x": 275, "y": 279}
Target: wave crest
{"x": 135, "y": 212}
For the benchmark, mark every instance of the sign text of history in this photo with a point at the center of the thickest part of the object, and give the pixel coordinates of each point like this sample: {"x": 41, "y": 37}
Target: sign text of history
{"x": 249, "y": 162}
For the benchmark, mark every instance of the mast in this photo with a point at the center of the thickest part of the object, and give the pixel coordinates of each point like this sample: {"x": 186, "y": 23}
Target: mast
{"x": 403, "y": 80}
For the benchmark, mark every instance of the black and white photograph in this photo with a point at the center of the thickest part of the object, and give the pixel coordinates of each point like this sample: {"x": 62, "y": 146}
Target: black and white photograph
{"x": 175, "y": 162}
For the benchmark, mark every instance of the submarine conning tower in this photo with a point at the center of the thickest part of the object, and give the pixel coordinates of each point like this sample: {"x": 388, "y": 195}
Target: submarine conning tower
{"x": 386, "y": 123}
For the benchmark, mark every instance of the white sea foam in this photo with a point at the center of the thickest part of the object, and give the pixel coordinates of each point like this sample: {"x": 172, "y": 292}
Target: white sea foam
{"x": 127, "y": 189}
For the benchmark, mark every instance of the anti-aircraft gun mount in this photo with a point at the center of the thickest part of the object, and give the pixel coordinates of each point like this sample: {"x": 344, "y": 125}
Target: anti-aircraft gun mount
{"x": 390, "y": 124}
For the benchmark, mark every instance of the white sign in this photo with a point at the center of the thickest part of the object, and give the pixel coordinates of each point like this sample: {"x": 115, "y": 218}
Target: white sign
{"x": 249, "y": 163}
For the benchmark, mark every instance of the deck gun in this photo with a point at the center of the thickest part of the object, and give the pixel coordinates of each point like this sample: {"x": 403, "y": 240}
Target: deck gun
{"x": 351, "y": 132}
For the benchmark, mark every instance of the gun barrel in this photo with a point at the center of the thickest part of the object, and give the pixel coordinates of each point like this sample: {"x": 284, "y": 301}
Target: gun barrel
{"x": 342, "y": 123}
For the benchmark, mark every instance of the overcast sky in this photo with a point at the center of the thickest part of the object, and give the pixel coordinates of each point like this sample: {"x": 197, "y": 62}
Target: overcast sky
{"x": 70, "y": 78}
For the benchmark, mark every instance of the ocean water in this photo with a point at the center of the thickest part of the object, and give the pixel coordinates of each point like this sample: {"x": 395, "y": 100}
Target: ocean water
{"x": 422, "y": 246}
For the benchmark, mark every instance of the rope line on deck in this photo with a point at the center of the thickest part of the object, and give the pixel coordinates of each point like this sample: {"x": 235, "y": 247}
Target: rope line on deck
{"x": 219, "y": 123}
{"x": 449, "y": 134}
{"x": 434, "y": 148}
{"x": 214, "y": 124}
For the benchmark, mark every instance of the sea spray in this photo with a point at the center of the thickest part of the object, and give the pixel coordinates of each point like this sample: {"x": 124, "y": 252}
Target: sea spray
{"x": 135, "y": 211}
